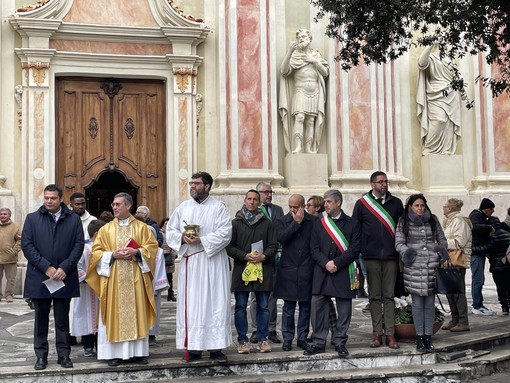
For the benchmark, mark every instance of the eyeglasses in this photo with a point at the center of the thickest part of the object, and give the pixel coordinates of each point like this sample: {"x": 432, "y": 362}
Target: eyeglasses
{"x": 382, "y": 182}
{"x": 266, "y": 192}
{"x": 195, "y": 183}
{"x": 117, "y": 204}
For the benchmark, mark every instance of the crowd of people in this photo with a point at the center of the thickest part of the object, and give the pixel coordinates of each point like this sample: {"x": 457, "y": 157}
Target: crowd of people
{"x": 109, "y": 273}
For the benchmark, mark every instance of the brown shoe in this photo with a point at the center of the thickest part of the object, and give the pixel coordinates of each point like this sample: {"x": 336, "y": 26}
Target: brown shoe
{"x": 376, "y": 341}
{"x": 391, "y": 342}
{"x": 451, "y": 324}
{"x": 460, "y": 327}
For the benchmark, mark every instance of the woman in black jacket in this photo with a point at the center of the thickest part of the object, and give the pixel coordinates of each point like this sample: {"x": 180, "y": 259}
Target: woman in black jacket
{"x": 499, "y": 263}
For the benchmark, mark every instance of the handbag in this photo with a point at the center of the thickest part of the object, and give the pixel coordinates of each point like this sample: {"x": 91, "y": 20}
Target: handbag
{"x": 448, "y": 280}
{"x": 456, "y": 256}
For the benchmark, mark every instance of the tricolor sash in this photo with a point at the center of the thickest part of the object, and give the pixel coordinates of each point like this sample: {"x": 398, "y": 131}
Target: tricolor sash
{"x": 380, "y": 213}
{"x": 342, "y": 243}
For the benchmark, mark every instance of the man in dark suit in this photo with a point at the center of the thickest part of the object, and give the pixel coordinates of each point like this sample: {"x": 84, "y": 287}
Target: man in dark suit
{"x": 335, "y": 244}
{"x": 295, "y": 271}
{"x": 272, "y": 212}
{"x": 52, "y": 242}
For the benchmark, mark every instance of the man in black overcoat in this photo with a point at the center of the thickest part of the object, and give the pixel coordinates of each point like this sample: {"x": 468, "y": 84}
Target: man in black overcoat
{"x": 295, "y": 271}
{"x": 335, "y": 244}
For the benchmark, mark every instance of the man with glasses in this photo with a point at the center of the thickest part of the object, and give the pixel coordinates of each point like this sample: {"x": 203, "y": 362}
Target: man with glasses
{"x": 272, "y": 212}
{"x": 120, "y": 273}
{"x": 203, "y": 303}
{"x": 377, "y": 213}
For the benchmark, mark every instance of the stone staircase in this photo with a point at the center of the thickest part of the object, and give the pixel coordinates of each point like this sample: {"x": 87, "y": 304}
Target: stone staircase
{"x": 464, "y": 360}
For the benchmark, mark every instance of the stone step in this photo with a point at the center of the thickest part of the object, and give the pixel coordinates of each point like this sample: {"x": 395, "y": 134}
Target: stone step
{"x": 382, "y": 365}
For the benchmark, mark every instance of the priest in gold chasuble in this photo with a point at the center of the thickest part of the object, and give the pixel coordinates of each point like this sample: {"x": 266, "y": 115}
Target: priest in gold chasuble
{"x": 120, "y": 273}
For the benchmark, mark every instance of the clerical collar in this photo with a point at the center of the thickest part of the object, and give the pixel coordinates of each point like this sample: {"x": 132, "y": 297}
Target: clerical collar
{"x": 124, "y": 222}
{"x": 201, "y": 202}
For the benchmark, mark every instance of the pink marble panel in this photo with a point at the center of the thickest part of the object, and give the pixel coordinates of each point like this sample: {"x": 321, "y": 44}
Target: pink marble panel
{"x": 39, "y": 129}
{"x": 182, "y": 113}
{"x": 483, "y": 114}
{"x": 501, "y": 129}
{"x": 249, "y": 84}
{"x": 360, "y": 121}
{"x": 111, "y": 48}
{"x": 269, "y": 78}
{"x": 338, "y": 108}
{"x": 228, "y": 98}
{"x": 111, "y": 12}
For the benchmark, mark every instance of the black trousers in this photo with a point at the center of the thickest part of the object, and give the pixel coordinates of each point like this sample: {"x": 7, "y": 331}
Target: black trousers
{"x": 41, "y": 324}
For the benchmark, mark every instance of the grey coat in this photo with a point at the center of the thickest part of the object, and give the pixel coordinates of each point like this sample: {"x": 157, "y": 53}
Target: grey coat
{"x": 419, "y": 276}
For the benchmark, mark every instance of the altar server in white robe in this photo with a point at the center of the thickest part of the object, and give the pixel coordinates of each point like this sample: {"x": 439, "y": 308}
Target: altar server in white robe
{"x": 203, "y": 304}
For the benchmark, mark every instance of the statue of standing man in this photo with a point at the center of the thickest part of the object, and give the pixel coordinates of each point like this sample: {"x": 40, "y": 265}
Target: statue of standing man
{"x": 305, "y": 96}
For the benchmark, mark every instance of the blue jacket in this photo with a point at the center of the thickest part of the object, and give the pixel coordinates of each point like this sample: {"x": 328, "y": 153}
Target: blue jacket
{"x": 48, "y": 243}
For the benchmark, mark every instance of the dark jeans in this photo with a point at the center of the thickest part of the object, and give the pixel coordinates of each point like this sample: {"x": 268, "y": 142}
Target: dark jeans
{"x": 502, "y": 281}
{"x": 289, "y": 322}
{"x": 458, "y": 303}
{"x": 477, "y": 279}
{"x": 41, "y": 323}
{"x": 241, "y": 318}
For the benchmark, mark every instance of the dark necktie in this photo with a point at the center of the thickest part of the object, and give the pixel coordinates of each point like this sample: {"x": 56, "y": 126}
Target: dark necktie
{"x": 268, "y": 209}
{"x": 379, "y": 201}
{"x": 55, "y": 217}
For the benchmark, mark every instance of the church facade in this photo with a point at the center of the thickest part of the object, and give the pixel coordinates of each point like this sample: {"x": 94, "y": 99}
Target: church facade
{"x": 113, "y": 95}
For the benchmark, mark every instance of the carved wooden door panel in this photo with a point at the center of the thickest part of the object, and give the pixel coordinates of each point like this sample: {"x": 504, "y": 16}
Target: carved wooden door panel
{"x": 112, "y": 126}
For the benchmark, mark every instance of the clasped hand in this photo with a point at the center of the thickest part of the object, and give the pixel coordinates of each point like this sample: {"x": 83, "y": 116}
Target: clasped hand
{"x": 255, "y": 256}
{"x": 56, "y": 274}
{"x": 191, "y": 239}
{"x": 331, "y": 267}
{"x": 125, "y": 253}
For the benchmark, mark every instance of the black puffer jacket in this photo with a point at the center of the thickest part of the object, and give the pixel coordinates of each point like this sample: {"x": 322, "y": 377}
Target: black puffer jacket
{"x": 481, "y": 232}
{"x": 500, "y": 243}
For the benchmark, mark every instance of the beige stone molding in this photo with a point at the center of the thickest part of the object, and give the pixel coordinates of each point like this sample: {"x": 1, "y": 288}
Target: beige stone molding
{"x": 38, "y": 70}
{"x": 18, "y": 96}
{"x": 182, "y": 76}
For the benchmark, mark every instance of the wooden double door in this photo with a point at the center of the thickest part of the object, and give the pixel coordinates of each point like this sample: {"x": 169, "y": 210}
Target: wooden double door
{"x": 111, "y": 137}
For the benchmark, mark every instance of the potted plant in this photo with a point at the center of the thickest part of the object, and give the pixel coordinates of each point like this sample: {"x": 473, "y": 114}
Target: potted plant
{"x": 404, "y": 325}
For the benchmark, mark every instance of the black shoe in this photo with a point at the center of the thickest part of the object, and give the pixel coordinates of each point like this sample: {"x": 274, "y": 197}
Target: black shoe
{"x": 140, "y": 360}
{"x": 253, "y": 337}
{"x": 41, "y": 364}
{"x": 273, "y": 337}
{"x": 342, "y": 351}
{"x": 194, "y": 356}
{"x": 114, "y": 362}
{"x": 309, "y": 340}
{"x": 152, "y": 339}
{"x": 427, "y": 343}
{"x": 287, "y": 345}
{"x": 218, "y": 356}
{"x": 420, "y": 346}
{"x": 302, "y": 344}
{"x": 361, "y": 293}
{"x": 30, "y": 304}
{"x": 171, "y": 296}
{"x": 65, "y": 362}
{"x": 313, "y": 350}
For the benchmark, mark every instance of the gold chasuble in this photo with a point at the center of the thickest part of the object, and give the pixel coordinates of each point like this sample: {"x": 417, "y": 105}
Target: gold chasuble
{"x": 126, "y": 296}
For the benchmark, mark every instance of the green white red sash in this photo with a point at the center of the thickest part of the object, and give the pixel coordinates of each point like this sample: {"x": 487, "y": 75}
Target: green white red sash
{"x": 343, "y": 244}
{"x": 380, "y": 213}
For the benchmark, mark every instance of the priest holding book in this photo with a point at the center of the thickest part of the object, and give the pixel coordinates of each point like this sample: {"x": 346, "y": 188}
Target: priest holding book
{"x": 123, "y": 261}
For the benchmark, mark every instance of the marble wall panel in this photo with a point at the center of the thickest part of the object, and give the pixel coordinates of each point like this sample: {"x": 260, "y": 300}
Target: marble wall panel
{"x": 249, "y": 84}
{"x": 501, "y": 128}
{"x": 360, "y": 121}
{"x": 111, "y": 47}
{"x": 111, "y": 12}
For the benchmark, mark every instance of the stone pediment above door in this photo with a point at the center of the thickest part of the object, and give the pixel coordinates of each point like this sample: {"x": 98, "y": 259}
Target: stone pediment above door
{"x": 156, "y": 24}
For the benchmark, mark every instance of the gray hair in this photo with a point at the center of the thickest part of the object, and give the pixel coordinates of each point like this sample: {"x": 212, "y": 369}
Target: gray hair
{"x": 7, "y": 210}
{"x": 260, "y": 185}
{"x": 337, "y": 196}
{"x": 128, "y": 200}
{"x": 144, "y": 210}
